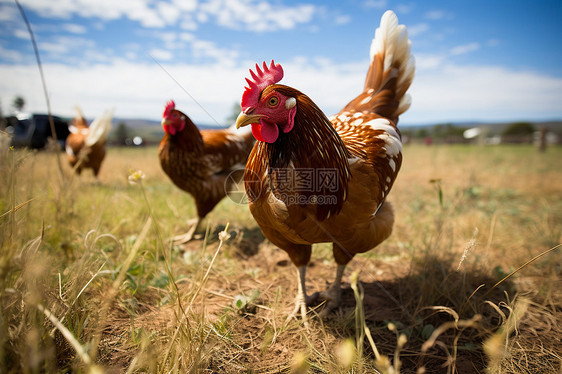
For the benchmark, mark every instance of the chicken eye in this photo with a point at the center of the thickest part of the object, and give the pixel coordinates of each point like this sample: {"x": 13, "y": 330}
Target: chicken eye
{"x": 273, "y": 101}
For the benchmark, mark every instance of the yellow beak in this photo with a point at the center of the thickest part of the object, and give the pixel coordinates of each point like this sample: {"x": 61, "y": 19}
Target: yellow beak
{"x": 246, "y": 119}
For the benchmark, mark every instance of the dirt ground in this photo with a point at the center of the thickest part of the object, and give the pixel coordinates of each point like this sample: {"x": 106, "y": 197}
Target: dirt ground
{"x": 416, "y": 298}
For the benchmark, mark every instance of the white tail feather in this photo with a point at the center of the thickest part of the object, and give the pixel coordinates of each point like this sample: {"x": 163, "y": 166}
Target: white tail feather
{"x": 391, "y": 40}
{"x": 78, "y": 111}
{"x": 404, "y": 105}
{"x": 99, "y": 129}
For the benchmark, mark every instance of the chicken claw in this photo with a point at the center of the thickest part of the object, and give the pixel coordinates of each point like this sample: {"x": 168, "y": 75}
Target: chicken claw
{"x": 188, "y": 236}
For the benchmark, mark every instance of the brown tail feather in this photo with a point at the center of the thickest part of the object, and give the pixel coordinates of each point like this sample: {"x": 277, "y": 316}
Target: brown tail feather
{"x": 390, "y": 73}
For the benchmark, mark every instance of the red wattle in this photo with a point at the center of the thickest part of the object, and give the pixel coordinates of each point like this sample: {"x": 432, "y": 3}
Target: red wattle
{"x": 256, "y": 131}
{"x": 265, "y": 131}
{"x": 269, "y": 131}
{"x": 170, "y": 129}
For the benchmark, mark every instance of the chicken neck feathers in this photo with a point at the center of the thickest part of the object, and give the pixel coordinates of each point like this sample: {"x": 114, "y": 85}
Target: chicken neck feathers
{"x": 361, "y": 141}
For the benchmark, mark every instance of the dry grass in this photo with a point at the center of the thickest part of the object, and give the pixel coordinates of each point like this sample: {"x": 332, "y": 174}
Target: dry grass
{"x": 90, "y": 283}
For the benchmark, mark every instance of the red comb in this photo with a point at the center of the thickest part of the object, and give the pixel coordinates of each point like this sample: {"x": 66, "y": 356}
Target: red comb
{"x": 170, "y": 105}
{"x": 260, "y": 80}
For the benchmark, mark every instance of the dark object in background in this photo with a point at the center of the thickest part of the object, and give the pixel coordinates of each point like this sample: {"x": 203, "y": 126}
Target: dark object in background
{"x": 33, "y": 130}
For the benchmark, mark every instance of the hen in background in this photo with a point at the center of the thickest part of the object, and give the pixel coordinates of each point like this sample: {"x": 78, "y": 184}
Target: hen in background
{"x": 202, "y": 163}
{"x": 85, "y": 146}
{"x": 313, "y": 179}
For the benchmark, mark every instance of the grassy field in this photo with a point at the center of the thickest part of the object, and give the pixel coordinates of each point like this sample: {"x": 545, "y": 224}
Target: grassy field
{"x": 469, "y": 281}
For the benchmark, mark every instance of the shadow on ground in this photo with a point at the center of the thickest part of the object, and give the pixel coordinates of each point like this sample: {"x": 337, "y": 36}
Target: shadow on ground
{"x": 417, "y": 299}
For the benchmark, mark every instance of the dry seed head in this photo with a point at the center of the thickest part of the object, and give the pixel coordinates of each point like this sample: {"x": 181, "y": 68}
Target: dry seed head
{"x": 494, "y": 347}
{"x": 136, "y": 177}
{"x": 95, "y": 370}
{"x": 224, "y": 236}
{"x": 383, "y": 364}
{"x": 299, "y": 365}
{"x": 345, "y": 353}
{"x": 469, "y": 246}
{"x": 402, "y": 339}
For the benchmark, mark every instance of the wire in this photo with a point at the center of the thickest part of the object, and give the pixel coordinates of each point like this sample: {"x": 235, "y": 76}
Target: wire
{"x": 184, "y": 90}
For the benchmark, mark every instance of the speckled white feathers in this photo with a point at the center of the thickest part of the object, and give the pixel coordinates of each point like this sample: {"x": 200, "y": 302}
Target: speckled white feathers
{"x": 391, "y": 39}
{"x": 390, "y": 135}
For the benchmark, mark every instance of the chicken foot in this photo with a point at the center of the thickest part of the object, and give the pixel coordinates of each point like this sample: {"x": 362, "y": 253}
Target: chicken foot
{"x": 303, "y": 300}
{"x": 332, "y": 296}
{"x": 188, "y": 236}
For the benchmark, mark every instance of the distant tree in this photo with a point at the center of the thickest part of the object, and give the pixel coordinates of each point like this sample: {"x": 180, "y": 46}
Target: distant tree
{"x": 121, "y": 133}
{"x": 421, "y": 133}
{"x": 235, "y": 112}
{"x": 447, "y": 130}
{"x": 408, "y": 133}
{"x": 437, "y": 131}
{"x": 18, "y": 103}
{"x": 519, "y": 129}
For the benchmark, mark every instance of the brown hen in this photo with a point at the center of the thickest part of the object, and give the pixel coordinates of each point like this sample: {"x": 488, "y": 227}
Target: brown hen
{"x": 313, "y": 179}
{"x": 203, "y": 163}
{"x": 85, "y": 146}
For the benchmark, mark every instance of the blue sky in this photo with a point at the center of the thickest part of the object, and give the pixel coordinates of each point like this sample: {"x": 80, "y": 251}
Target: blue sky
{"x": 475, "y": 60}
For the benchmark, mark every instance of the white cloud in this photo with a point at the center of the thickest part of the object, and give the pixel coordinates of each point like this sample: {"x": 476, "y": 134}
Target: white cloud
{"x": 188, "y": 23}
{"x": 417, "y": 29}
{"x": 161, "y": 54}
{"x": 203, "y": 48}
{"x": 434, "y": 15}
{"x": 54, "y": 48}
{"x": 256, "y": 15}
{"x": 11, "y": 55}
{"x": 74, "y": 28}
{"x": 147, "y": 17}
{"x": 170, "y": 40}
{"x": 104, "y": 9}
{"x": 379, "y": 4}
{"x": 185, "y": 5}
{"x": 441, "y": 91}
{"x": 130, "y": 55}
{"x": 464, "y": 49}
{"x": 21, "y": 34}
{"x": 429, "y": 61}
{"x": 141, "y": 90}
{"x": 485, "y": 93}
{"x": 405, "y": 8}
{"x": 169, "y": 12}
{"x": 329, "y": 85}
{"x": 173, "y": 41}
{"x": 186, "y": 36}
{"x": 134, "y": 90}
{"x": 342, "y": 19}
{"x": 60, "y": 45}
{"x": 137, "y": 10}
{"x": 252, "y": 15}
{"x": 8, "y": 13}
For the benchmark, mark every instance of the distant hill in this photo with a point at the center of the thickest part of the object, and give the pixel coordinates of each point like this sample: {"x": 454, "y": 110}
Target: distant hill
{"x": 151, "y": 130}
{"x": 494, "y": 128}
{"x": 138, "y": 122}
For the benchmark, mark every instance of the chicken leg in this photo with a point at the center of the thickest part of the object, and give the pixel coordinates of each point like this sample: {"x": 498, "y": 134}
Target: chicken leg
{"x": 332, "y": 295}
{"x": 303, "y": 300}
{"x": 188, "y": 236}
